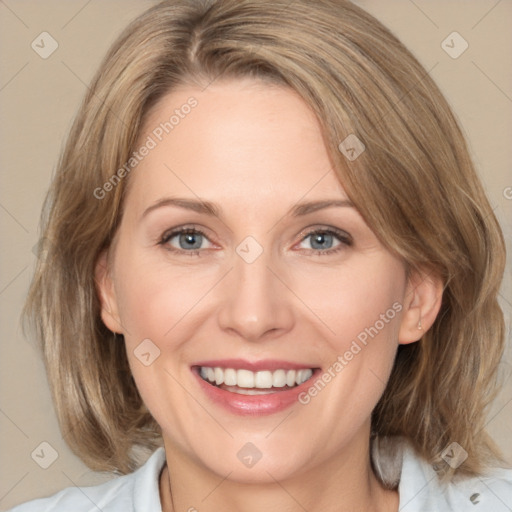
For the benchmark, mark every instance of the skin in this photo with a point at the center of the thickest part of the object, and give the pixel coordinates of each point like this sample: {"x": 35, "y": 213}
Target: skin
{"x": 255, "y": 151}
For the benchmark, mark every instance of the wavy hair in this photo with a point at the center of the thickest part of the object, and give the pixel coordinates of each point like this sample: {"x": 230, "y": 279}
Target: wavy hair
{"x": 414, "y": 185}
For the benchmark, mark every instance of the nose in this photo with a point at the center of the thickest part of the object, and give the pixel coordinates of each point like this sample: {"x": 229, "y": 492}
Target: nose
{"x": 255, "y": 303}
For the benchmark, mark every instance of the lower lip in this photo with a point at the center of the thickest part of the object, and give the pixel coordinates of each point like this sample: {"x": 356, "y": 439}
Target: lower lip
{"x": 253, "y": 405}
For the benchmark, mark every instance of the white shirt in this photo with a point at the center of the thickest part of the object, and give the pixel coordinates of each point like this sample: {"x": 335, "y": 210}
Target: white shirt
{"x": 419, "y": 489}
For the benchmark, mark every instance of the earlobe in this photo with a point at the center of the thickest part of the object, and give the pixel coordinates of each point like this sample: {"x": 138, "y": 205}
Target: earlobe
{"x": 422, "y": 303}
{"x": 106, "y": 294}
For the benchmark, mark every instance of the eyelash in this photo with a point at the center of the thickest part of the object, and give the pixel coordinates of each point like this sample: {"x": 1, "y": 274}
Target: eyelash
{"x": 167, "y": 236}
{"x": 344, "y": 238}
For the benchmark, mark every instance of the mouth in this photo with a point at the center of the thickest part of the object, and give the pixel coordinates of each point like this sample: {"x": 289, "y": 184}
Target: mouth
{"x": 253, "y": 388}
{"x": 247, "y": 382}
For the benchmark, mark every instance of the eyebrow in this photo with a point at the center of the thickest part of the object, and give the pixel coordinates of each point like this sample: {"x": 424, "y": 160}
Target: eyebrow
{"x": 208, "y": 208}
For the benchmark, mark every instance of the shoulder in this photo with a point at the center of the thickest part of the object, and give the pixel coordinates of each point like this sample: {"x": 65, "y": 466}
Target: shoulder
{"x": 135, "y": 492}
{"x": 421, "y": 490}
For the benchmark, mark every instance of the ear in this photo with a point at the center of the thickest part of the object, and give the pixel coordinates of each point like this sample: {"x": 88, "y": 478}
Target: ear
{"x": 106, "y": 294}
{"x": 422, "y": 303}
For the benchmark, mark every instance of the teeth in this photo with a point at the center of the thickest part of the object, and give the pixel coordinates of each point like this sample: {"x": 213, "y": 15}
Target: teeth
{"x": 229, "y": 377}
{"x": 264, "y": 379}
{"x": 252, "y": 391}
{"x": 245, "y": 378}
{"x": 303, "y": 375}
{"x": 219, "y": 376}
{"x": 279, "y": 379}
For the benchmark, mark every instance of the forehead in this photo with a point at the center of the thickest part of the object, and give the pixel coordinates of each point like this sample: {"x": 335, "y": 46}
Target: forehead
{"x": 241, "y": 140}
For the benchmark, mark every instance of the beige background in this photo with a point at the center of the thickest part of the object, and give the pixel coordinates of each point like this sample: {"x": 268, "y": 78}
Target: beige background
{"x": 38, "y": 99}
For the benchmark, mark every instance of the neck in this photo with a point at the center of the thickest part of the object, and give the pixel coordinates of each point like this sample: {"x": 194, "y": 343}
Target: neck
{"x": 345, "y": 482}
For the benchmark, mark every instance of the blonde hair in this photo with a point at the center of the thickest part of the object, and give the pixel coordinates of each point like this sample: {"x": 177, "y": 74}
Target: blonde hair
{"x": 414, "y": 184}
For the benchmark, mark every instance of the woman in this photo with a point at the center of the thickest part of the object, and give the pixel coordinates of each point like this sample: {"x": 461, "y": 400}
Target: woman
{"x": 268, "y": 253}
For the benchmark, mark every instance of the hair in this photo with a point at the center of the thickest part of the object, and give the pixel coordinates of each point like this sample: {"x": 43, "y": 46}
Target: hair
{"x": 414, "y": 185}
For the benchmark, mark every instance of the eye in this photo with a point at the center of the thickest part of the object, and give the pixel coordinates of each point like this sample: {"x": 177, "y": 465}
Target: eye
{"x": 188, "y": 239}
{"x": 324, "y": 241}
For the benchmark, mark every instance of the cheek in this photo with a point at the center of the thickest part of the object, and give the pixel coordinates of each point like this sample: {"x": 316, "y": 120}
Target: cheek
{"x": 361, "y": 307}
{"x": 360, "y": 310}
{"x": 154, "y": 299}
{"x": 360, "y": 300}
{"x": 160, "y": 303}
{"x": 366, "y": 324}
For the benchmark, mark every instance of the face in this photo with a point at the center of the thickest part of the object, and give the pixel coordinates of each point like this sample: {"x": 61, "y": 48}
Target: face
{"x": 240, "y": 260}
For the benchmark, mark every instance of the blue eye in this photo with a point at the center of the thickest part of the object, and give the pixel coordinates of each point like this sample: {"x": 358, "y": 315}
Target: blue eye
{"x": 192, "y": 241}
{"x": 185, "y": 239}
{"x": 321, "y": 240}
{"x": 325, "y": 241}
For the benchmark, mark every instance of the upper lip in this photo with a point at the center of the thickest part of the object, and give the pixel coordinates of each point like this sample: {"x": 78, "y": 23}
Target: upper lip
{"x": 255, "y": 366}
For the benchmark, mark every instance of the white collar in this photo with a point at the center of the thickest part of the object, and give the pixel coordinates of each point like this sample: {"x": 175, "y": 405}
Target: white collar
{"x": 421, "y": 490}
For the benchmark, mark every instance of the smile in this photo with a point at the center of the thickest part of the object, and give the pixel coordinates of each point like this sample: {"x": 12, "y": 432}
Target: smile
{"x": 247, "y": 382}
{"x": 253, "y": 388}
